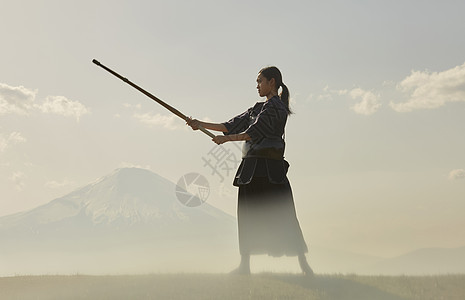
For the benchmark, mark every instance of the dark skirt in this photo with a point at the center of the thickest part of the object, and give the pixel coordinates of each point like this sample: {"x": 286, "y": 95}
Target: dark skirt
{"x": 267, "y": 220}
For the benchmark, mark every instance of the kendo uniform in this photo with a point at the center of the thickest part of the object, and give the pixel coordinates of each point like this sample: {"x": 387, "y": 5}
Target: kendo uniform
{"x": 267, "y": 221}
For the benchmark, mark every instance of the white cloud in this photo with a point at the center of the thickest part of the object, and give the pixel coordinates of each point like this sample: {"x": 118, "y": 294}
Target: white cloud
{"x": 457, "y": 174}
{"x": 432, "y": 90}
{"x": 62, "y": 106}
{"x": 343, "y": 92}
{"x": 369, "y": 103}
{"x": 166, "y": 121}
{"x": 325, "y": 97}
{"x": 132, "y": 106}
{"x": 17, "y": 99}
{"x": 207, "y": 119}
{"x": 20, "y": 100}
{"x": 16, "y": 137}
{"x": 18, "y": 180}
{"x": 59, "y": 184}
{"x": 131, "y": 165}
{"x": 12, "y": 139}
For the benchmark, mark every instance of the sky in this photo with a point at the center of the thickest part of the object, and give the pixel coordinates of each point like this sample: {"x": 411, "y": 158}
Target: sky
{"x": 376, "y": 144}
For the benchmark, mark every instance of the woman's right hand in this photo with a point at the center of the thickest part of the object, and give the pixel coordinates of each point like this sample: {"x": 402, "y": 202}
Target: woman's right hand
{"x": 194, "y": 123}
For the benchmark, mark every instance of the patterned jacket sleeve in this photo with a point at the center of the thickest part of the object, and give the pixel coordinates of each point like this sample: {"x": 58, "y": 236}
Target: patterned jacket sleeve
{"x": 237, "y": 124}
{"x": 269, "y": 122}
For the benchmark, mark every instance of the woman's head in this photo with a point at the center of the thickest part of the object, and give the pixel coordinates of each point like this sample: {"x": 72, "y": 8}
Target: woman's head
{"x": 269, "y": 81}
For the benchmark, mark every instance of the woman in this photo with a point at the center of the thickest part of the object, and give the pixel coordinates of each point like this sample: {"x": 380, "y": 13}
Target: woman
{"x": 267, "y": 220}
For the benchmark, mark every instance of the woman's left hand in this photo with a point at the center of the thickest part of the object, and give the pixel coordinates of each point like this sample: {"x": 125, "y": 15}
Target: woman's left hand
{"x": 220, "y": 139}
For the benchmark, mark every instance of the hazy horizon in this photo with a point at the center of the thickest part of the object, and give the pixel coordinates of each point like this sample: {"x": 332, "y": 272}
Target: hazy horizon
{"x": 131, "y": 222}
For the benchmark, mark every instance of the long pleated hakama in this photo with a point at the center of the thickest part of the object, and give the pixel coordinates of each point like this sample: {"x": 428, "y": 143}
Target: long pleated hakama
{"x": 267, "y": 220}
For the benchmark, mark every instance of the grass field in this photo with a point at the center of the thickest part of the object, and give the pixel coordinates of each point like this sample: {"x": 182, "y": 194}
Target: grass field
{"x": 224, "y": 286}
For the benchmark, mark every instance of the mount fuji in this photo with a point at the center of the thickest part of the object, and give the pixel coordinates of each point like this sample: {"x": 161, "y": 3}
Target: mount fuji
{"x": 128, "y": 221}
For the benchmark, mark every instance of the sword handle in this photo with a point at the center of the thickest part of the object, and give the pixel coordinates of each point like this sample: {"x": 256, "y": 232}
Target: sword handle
{"x": 206, "y": 132}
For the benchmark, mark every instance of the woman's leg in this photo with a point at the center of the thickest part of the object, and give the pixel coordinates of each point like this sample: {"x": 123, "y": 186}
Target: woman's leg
{"x": 245, "y": 264}
{"x": 304, "y": 265}
{"x": 244, "y": 267}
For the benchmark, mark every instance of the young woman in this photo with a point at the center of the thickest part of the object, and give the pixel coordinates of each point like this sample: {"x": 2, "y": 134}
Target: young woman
{"x": 267, "y": 220}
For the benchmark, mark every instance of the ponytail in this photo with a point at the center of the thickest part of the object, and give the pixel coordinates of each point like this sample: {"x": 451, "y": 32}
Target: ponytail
{"x": 273, "y": 72}
{"x": 285, "y": 97}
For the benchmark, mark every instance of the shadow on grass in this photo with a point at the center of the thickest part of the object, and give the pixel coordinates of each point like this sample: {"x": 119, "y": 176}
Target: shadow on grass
{"x": 336, "y": 287}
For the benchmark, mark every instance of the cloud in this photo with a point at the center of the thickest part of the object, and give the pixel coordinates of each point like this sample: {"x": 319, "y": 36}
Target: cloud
{"x": 457, "y": 174}
{"x": 125, "y": 164}
{"x": 12, "y": 139}
{"x": 20, "y": 100}
{"x": 166, "y": 121}
{"x": 16, "y": 137}
{"x": 207, "y": 119}
{"x": 59, "y": 184}
{"x": 369, "y": 103}
{"x": 17, "y": 100}
{"x": 132, "y": 106}
{"x": 18, "y": 180}
{"x": 326, "y": 95}
{"x": 62, "y": 106}
{"x": 432, "y": 90}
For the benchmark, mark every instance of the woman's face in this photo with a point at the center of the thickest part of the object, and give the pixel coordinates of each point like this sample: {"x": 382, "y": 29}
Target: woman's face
{"x": 265, "y": 87}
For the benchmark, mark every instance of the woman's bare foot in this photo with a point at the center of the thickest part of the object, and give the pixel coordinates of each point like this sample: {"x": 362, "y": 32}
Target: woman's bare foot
{"x": 240, "y": 271}
{"x": 305, "y": 266}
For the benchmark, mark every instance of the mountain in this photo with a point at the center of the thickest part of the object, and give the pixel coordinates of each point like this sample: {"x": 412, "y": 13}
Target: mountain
{"x": 426, "y": 261}
{"x": 131, "y": 215}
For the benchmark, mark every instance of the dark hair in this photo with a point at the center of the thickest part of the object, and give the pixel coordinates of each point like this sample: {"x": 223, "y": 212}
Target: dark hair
{"x": 273, "y": 72}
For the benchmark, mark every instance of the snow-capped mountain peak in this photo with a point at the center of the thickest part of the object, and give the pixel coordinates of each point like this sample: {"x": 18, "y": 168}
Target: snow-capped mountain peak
{"x": 126, "y": 196}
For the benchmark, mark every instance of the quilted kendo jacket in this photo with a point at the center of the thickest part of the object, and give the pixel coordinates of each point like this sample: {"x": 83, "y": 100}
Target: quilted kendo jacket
{"x": 263, "y": 154}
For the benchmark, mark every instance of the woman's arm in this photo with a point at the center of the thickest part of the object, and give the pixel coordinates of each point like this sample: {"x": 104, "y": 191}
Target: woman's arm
{"x": 220, "y": 139}
{"x": 194, "y": 123}
{"x": 214, "y": 126}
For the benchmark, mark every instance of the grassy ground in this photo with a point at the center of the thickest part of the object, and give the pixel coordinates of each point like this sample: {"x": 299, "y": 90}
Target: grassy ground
{"x": 223, "y": 286}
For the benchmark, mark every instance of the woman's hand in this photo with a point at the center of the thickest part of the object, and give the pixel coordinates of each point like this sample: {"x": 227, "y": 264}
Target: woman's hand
{"x": 194, "y": 123}
{"x": 220, "y": 139}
